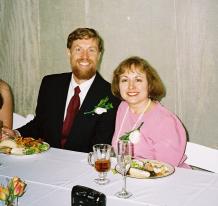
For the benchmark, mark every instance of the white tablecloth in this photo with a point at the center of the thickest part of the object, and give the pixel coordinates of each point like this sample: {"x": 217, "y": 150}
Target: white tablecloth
{"x": 50, "y": 177}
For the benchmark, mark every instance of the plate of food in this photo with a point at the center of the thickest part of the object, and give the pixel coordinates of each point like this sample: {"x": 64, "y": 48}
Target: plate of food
{"x": 148, "y": 169}
{"x": 23, "y": 146}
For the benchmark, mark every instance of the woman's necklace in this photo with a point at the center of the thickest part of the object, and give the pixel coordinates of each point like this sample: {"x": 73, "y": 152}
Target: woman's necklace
{"x": 137, "y": 121}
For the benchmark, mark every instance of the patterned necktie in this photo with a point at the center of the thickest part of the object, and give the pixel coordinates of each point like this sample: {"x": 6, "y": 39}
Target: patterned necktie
{"x": 72, "y": 110}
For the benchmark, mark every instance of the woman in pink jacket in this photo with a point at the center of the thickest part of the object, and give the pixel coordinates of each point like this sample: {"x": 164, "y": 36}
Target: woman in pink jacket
{"x": 162, "y": 135}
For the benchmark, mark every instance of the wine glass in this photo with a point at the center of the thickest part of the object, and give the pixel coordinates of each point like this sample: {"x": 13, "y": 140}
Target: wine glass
{"x": 102, "y": 163}
{"x": 124, "y": 157}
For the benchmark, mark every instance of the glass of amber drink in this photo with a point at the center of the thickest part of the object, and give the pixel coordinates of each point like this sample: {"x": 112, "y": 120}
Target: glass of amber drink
{"x": 100, "y": 159}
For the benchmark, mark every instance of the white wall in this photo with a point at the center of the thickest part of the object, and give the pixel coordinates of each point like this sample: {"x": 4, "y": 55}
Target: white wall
{"x": 178, "y": 37}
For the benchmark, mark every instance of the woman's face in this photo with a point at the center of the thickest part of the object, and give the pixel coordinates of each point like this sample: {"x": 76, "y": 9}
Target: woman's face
{"x": 133, "y": 87}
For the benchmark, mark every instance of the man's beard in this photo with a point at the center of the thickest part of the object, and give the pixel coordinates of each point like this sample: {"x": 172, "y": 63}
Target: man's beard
{"x": 83, "y": 74}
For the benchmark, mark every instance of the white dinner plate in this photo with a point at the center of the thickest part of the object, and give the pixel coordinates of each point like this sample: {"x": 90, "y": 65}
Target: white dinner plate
{"x": 168, "y": 169}
{"x": 16, "y": 151}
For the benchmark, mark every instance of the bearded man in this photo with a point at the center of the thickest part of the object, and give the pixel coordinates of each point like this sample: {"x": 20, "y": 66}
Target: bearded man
{"x": 91, "y": 118}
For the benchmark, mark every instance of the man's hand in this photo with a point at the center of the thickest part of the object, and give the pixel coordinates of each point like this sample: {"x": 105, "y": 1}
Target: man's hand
{"x": 6, "y": 133}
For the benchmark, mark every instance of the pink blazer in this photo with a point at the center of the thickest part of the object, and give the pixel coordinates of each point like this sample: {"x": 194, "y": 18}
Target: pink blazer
{"x": 162, "y": 137}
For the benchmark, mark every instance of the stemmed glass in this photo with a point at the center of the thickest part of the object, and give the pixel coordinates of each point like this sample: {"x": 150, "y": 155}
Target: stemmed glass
{"x": 124, "y": 157}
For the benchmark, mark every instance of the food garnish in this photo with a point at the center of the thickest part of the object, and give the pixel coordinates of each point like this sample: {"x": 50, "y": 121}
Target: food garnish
{"x": 146, "y": 168}
{"x": 23, "y": 146}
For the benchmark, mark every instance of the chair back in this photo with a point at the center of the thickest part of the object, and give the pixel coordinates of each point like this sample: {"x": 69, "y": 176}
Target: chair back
{"x": 202, "y": 157}
{"x": 19, "y": 120}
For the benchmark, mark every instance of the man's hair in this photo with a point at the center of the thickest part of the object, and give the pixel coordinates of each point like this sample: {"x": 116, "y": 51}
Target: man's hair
{"x": 85, "y": 33}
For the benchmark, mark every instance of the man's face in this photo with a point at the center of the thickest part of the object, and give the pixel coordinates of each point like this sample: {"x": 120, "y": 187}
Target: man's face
{"x": 84, "y": 56}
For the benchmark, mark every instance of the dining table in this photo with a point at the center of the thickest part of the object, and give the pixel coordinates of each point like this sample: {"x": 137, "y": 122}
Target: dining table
{"x": 51, "y": 175}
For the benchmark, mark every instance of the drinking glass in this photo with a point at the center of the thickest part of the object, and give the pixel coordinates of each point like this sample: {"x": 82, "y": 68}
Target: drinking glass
{"x": 100, "y": 159}
{"x": 124, "y": 157}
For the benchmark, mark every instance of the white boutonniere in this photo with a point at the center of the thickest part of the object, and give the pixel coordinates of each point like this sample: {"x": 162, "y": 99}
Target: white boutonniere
{"x": 101, "y": 107}
{"x": 132, "y": 136}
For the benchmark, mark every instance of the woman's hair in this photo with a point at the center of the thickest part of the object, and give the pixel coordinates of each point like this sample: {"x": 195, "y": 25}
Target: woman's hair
{"x": 156, "y": 89}
{"x": 85, "y": 33}
{"x": 1, "y": 101}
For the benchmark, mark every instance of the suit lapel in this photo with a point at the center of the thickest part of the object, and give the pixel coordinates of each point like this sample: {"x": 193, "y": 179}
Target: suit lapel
{"x": 91, "y": 98}
{"x": 61, "y": 99}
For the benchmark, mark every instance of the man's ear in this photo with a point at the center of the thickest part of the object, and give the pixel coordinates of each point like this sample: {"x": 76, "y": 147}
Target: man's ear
{"x": 99, "y": 56}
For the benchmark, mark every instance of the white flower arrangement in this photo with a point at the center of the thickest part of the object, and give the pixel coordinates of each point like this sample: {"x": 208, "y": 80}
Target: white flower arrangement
{"x": 132, "y": 136}
{"x": 101, "y": 107}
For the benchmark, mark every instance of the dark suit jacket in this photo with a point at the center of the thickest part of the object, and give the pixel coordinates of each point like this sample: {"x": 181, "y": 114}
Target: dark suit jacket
{"x": 87, "y": 130}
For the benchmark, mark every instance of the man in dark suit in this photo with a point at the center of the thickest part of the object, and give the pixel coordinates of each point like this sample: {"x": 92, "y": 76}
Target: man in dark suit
{"x": 85, "y": 48}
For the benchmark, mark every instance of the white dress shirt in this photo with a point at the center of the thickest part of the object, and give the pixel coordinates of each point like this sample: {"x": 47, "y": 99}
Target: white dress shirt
{"x": 84, "y": 88}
